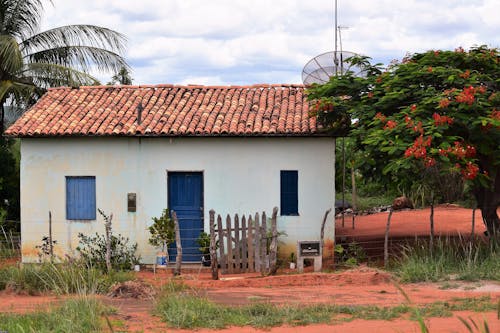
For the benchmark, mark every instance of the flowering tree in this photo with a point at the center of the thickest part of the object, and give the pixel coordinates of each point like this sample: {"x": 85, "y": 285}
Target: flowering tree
{"x": 438, "y": 110}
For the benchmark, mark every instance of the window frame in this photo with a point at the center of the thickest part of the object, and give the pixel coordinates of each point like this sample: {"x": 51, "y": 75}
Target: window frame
{"x": 75, "y": 213}
{"x": 288, "y": 208}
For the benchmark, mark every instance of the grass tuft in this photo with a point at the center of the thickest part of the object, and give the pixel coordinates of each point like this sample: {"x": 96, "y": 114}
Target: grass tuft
{"x": 83, "y": 314}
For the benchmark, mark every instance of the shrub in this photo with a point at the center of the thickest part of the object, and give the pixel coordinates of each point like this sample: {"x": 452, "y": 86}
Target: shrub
{"x": 92, "y": 250}
{"x": 63, "y": 278}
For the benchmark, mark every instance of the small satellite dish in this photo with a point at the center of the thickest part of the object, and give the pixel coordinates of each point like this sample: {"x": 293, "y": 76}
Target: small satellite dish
{"x": 322, "y": 67}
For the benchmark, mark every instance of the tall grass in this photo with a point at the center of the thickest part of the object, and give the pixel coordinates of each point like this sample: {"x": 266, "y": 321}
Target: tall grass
{"x": 450, "y": 257}
{"x": 187, "y": 309}
{"x": 63, "y": 278}
{"x": 82, "y": 314}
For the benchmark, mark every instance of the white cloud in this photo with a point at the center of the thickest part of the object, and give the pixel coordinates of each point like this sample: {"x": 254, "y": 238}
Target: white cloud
{"x": 238, "y": 42}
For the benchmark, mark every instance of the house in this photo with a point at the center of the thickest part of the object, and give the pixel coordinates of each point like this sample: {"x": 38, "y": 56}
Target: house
{"x": 134, "y": 150}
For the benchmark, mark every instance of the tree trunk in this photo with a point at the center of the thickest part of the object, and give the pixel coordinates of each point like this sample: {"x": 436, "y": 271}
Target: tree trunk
{"x": 488, "y": 201}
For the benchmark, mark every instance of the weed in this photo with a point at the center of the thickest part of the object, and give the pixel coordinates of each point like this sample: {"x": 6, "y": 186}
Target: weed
{"x": 77, "y": 315}
{"x": 63, "y": 278}
{"x": 467, "y": 260}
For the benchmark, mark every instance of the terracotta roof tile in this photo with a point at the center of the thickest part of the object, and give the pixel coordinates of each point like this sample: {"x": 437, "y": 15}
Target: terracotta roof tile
{"x": 168, "y": 110}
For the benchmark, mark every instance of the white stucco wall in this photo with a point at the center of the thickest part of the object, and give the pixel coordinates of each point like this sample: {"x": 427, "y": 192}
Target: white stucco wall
{"x": 241, "y": 175}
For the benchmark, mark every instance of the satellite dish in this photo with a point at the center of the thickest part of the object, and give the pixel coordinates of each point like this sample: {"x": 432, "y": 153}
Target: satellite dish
{"x": 322, "y": 67}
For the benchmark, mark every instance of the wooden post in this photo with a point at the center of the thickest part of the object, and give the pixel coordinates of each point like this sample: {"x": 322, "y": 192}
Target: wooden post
{"x": 322, "y": 234}
{"x": 237, "y": 245}
{"x": 251, "y": 267}
{"x": 244, "y": 254}
{"x": 264, "y": 260}
{"x": 257, "y": 240}
{"x": 213, "y": 248}
{"x": 230, "y": 259}
{"x": 273, "y": 252}
{"x": 51, "y": 244}
{"x": 222, "y": 254}
{"x": 432, "y": 224}
{"x": 178, "y": 258}
{"x": 386, "y": 238}
{"x": 473, "y": 223}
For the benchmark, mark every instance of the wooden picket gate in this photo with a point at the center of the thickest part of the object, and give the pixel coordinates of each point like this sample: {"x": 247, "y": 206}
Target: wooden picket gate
{"x": 243, "y": 248}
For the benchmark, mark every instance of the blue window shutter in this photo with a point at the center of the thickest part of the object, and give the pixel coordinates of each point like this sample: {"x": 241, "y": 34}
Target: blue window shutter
{"x": 80, "y": 198}
{"x": 289, "y": 192}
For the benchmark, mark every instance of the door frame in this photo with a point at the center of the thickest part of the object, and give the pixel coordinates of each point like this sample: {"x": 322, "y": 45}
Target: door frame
{"x": 202, "y": 172}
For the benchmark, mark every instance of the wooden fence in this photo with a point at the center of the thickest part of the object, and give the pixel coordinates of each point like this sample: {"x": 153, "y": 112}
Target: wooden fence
{"x": 243, "y": 248}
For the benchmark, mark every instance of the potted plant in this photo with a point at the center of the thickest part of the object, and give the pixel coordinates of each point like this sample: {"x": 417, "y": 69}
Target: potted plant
{"x": 204, "y": 242}
{"x": 292, "y": 260}
{"x": 162, "y": 234}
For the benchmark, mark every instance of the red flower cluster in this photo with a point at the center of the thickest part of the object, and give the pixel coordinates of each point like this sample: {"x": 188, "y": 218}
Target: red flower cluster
{"x": 441, "y": 120}
{"x": 443, "y": 104}
{"x": 418, "y": 149}
{"x": 495, "y": 114}
{"x": 390, "y": 124}
{"x": 466, "y": 96}
{"x": 380, "y": 117}
{"x": 429, "y": 69}
{"x": 459, "y": 151}
{"x": 470, "y": 171}
{"x": 465, "y": 74}
{"x": 413, "y": 108}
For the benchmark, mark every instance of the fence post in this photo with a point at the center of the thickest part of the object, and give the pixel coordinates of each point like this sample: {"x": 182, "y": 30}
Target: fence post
{"x": 251, "y": 267}
{"x": 213, "y": 248}
{"x": 222, "y": 254}
{"x": 273, "y": 251}
{"x": 263, "y": 245}
{"x": 237, "y": 245}
{"x": 386, "y": 238}
{"x": 178, "y": 258}
{"x": 257, "y": 240}
{"x": 230, "y": 259}
{"x": 244, "y": 254}
{"x": 51, "y": 244}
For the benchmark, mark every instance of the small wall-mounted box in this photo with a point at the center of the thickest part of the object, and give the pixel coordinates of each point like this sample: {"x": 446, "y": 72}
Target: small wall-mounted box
{"x": 131, "y": 202}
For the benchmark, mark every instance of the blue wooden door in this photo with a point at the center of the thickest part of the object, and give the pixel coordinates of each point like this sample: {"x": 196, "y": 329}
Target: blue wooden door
{"x": 185, "y": 197}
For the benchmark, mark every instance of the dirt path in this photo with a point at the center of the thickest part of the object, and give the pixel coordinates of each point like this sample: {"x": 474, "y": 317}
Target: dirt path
{"x": 362, "y": 286}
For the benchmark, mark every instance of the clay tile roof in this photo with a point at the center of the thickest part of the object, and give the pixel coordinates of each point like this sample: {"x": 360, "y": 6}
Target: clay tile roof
{"x": 169, "y": 110}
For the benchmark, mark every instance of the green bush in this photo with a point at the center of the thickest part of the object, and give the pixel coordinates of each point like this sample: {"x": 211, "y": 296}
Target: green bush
{"x": 92, "y": 251}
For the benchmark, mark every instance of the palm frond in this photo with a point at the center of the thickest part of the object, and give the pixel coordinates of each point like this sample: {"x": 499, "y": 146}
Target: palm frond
{"x": 78, "y": 35}
{"x": 18, "y": 92}
{"x": 20, "y": 18}
{"x": 48, "y": 75}
{"x": 79, "y": 57}
{"x": 10, "y": 55}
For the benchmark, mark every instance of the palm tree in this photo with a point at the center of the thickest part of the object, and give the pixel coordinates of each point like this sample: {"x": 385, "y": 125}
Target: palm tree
{"x": 32, "y": 61}
{"x": 122, "y": 77}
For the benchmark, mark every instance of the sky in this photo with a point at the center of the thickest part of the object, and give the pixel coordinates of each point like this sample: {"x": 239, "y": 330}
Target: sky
{"x": 236, "y": 42}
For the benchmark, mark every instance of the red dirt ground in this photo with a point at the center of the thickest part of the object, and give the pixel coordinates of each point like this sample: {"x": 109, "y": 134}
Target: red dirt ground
{"x": 361, "y": 286}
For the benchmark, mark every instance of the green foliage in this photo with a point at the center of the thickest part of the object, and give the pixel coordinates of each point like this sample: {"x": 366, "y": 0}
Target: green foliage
{"x": 468, "y": 261}
{"x": 45, "y": 248}
{"x": 63, "y": 278}
{"x": 92, "y": 252}
{"x": 349, "y": 255}
{"x": 204, "y": 242}
{"x": 162, "y": 230}
{"x": 9, "y": 180}
{"x": 433, "y": 114}
{"x": 79, "y": 315}
{"x": 32, "y": 60}
{"x": 121, "y": 77}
